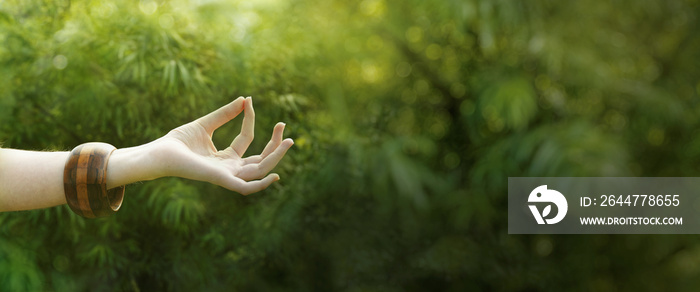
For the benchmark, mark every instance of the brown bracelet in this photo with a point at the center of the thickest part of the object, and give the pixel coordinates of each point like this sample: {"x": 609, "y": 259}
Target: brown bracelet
{"x": 85, "y": 181}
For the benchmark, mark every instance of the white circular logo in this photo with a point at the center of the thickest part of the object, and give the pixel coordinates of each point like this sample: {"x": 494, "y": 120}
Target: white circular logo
{"x": 542, "y": 195}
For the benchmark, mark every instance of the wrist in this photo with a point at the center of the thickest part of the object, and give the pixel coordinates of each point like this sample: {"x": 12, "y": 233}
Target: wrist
{"x": 133, "y": 164}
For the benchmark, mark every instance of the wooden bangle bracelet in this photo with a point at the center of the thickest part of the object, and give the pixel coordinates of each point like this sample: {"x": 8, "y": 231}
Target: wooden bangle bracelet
{"x": 85, "y": 181}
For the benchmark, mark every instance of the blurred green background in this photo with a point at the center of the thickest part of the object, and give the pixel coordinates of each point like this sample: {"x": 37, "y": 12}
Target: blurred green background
{"x": 408, "y": 117}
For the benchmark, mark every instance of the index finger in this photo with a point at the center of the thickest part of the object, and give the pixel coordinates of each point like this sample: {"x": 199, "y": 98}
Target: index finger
{"x": 217, "y": 118}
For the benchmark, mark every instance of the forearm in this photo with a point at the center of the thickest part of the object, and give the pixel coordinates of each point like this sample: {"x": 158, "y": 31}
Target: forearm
{"x": 34, "y": 180}
{"x": 31, "y": 180}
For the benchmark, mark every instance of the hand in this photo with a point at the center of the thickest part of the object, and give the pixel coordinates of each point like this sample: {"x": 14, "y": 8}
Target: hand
{"x": 189, "y": 152}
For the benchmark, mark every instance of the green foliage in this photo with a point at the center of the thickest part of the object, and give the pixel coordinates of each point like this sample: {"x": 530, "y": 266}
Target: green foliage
{"x": 408, "y": 118}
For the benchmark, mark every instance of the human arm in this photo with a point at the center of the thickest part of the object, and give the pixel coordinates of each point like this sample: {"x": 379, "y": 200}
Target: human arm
{"x": 33, "y": 180}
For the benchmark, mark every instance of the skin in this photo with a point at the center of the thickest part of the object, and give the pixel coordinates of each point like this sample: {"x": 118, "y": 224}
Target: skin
{"x": 34, "y": 180}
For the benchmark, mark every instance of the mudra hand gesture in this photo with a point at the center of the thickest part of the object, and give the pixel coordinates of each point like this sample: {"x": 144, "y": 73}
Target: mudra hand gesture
{"x": 88, "y": 176}
{"x": 190, "y": 153}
